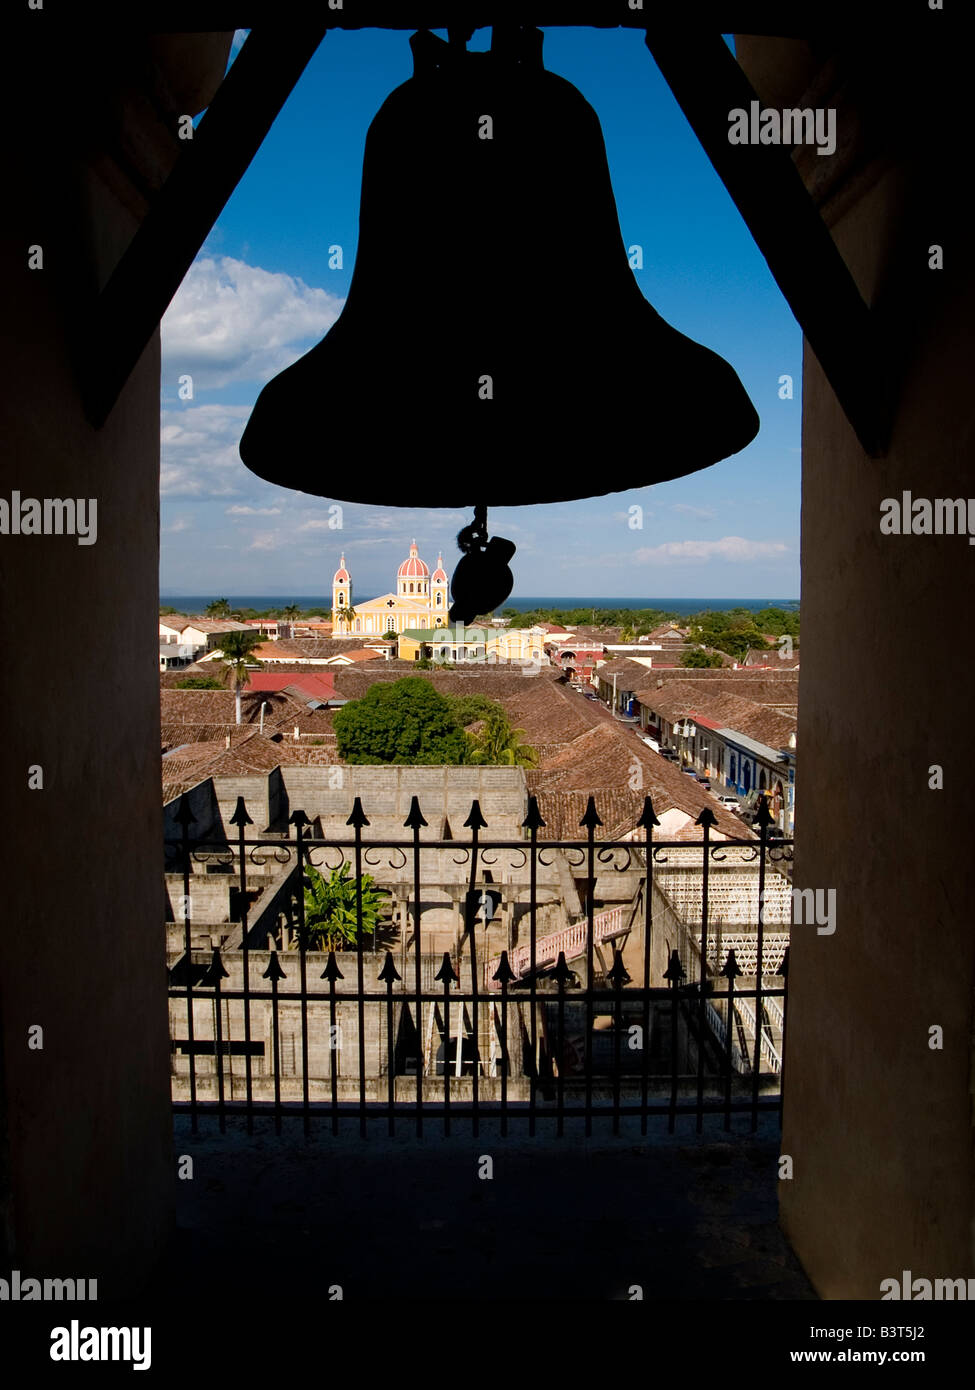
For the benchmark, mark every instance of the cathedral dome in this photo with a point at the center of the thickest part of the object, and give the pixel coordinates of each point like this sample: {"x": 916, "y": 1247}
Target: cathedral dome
{"x": 413, "y": 567}
{"x": 341, "y": 574}
{"x": 439, "y": 574}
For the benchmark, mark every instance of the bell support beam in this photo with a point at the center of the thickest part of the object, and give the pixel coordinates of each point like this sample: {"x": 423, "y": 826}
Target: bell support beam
{"x": 768, "y": 191}
{"x": 130, "y": 306}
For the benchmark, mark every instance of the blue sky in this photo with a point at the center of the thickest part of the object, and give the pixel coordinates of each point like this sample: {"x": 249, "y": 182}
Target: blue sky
{"x": 262, "y": 292}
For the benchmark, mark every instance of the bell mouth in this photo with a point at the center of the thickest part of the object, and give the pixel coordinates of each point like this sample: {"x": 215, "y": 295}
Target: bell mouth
{"x": 669, "y": 408}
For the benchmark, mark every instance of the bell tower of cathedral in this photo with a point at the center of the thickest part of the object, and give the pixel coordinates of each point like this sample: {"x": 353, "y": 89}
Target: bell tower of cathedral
{"x": 341, "y": 597}
{"x": 439, "y": 603}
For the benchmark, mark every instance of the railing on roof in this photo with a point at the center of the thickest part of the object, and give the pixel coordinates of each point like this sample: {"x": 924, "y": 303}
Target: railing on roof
{"x": 275, "y": 1033}
{"x": 570, "y": 941}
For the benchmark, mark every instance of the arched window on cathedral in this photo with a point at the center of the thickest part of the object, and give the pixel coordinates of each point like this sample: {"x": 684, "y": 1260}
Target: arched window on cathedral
{"x": 390, "y": 624}
{"x": 411, "y": 588}
{"x": 440, "y": 600}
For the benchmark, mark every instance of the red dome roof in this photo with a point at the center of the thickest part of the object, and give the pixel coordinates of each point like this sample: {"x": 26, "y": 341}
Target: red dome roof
{"x": 413, "y": 567}
{"x": 341, "y": 574}
{"x": 439, "y": 575}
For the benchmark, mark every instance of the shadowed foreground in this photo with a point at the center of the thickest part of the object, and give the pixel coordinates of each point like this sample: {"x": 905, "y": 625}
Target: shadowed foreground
{"x": 683, "y": 1216}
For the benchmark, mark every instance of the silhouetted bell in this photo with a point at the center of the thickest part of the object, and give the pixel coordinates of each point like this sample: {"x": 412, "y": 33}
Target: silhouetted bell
{"x": 494, "y": 346}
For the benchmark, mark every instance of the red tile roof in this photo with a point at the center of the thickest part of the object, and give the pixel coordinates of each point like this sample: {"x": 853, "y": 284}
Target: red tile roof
{"x": 319, "y": 685}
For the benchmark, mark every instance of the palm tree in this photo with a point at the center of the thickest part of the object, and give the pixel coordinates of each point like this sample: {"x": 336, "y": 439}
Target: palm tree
{"x": 219, "y": 608}
{"x": 499, "y": 745}
{"x": 347, "y": 615}
{"x": 291, "y": 612}
{"x": 330, "y": 909}
{"x": 237, "y": 649}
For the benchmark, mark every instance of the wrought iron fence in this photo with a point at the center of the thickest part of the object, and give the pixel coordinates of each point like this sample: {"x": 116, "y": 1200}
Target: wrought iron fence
{"x": 545, "y": 1030}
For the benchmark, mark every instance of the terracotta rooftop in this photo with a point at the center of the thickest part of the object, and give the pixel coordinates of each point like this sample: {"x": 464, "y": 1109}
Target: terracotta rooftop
{"x": 197, "y": 706}
{"x": 603, "y": 762}
{"x": 770, "y": 657}
{"x": 629, "y": 674}
{"x": 216, "y": 625}
{"x": 319, "y": 685}
{"x": 722, "y": 709}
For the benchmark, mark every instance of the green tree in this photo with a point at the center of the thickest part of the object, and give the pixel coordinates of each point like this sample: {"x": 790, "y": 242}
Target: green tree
{"x": 779, "y": 622}
{"x": 219, "y": 608}
{"x": 405, "y": 721}
{"x": 468, "y": 709}
{"x": 237, "y": 650}
{"x": 499, "y": 745}
{"x": 291, "y": 612}
{"x": 697, "y": 656}
{"x": 331, "y": 923}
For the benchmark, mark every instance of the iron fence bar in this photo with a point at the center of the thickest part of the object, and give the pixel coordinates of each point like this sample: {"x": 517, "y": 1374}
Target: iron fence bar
{"x": 618, "y": 974}
{"x": 561, "y": 974}
{"x": 389, "y": 973}
{"x": 331, "y": 973}
{"x": 240, "y": 818}
{"x": 673, "y": 975}
{"x": 764, "y": 821}
{"x": 475, "y": 822}
{"x": 185, "y": 817}
{"x": 504, "y": 973}
{"x": 590, "y": 820}
{"x": 217, "y": 973}
{"x": 357, "y": 820}
{"x": 275, "y": 973}
{"x": 415, "y": 821}
{"x": 299, "y": 820}
{"x": 731, "y": 973}
{"x": 784, "y": 972}
{"x": 648, "y": 820}
{"x": 446, "y": 975}
{"x": 705, "y": 820}
{"x": 533, "y": 822}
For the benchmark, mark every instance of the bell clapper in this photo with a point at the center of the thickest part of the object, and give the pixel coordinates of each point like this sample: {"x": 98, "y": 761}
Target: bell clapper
{"x": 482, "y": 579}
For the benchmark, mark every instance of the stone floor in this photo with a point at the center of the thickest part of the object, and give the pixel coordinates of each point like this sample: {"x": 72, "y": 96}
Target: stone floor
{"x": 682, "y": 1216}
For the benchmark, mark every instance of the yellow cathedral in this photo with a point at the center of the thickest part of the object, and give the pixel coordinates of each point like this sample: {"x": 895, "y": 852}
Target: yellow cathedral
{"x": 420, "y": 601}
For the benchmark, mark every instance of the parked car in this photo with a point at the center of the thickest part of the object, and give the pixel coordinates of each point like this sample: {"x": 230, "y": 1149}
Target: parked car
{"x": 730, "y": 803}
{"x": 691, "y": 771}
{"x": 669, "y": 754}
{"x": 704, "y": 781}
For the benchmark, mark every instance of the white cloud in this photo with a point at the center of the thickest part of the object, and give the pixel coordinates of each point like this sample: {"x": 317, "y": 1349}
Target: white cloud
{"x": 732, "y": 548}
{"x": 199, "y": 451}
{"x": 231, "y": 321}
{"x": 706, "y": 512}
{"x": 252, "y": 511}
{"x": 267, "y": 540}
